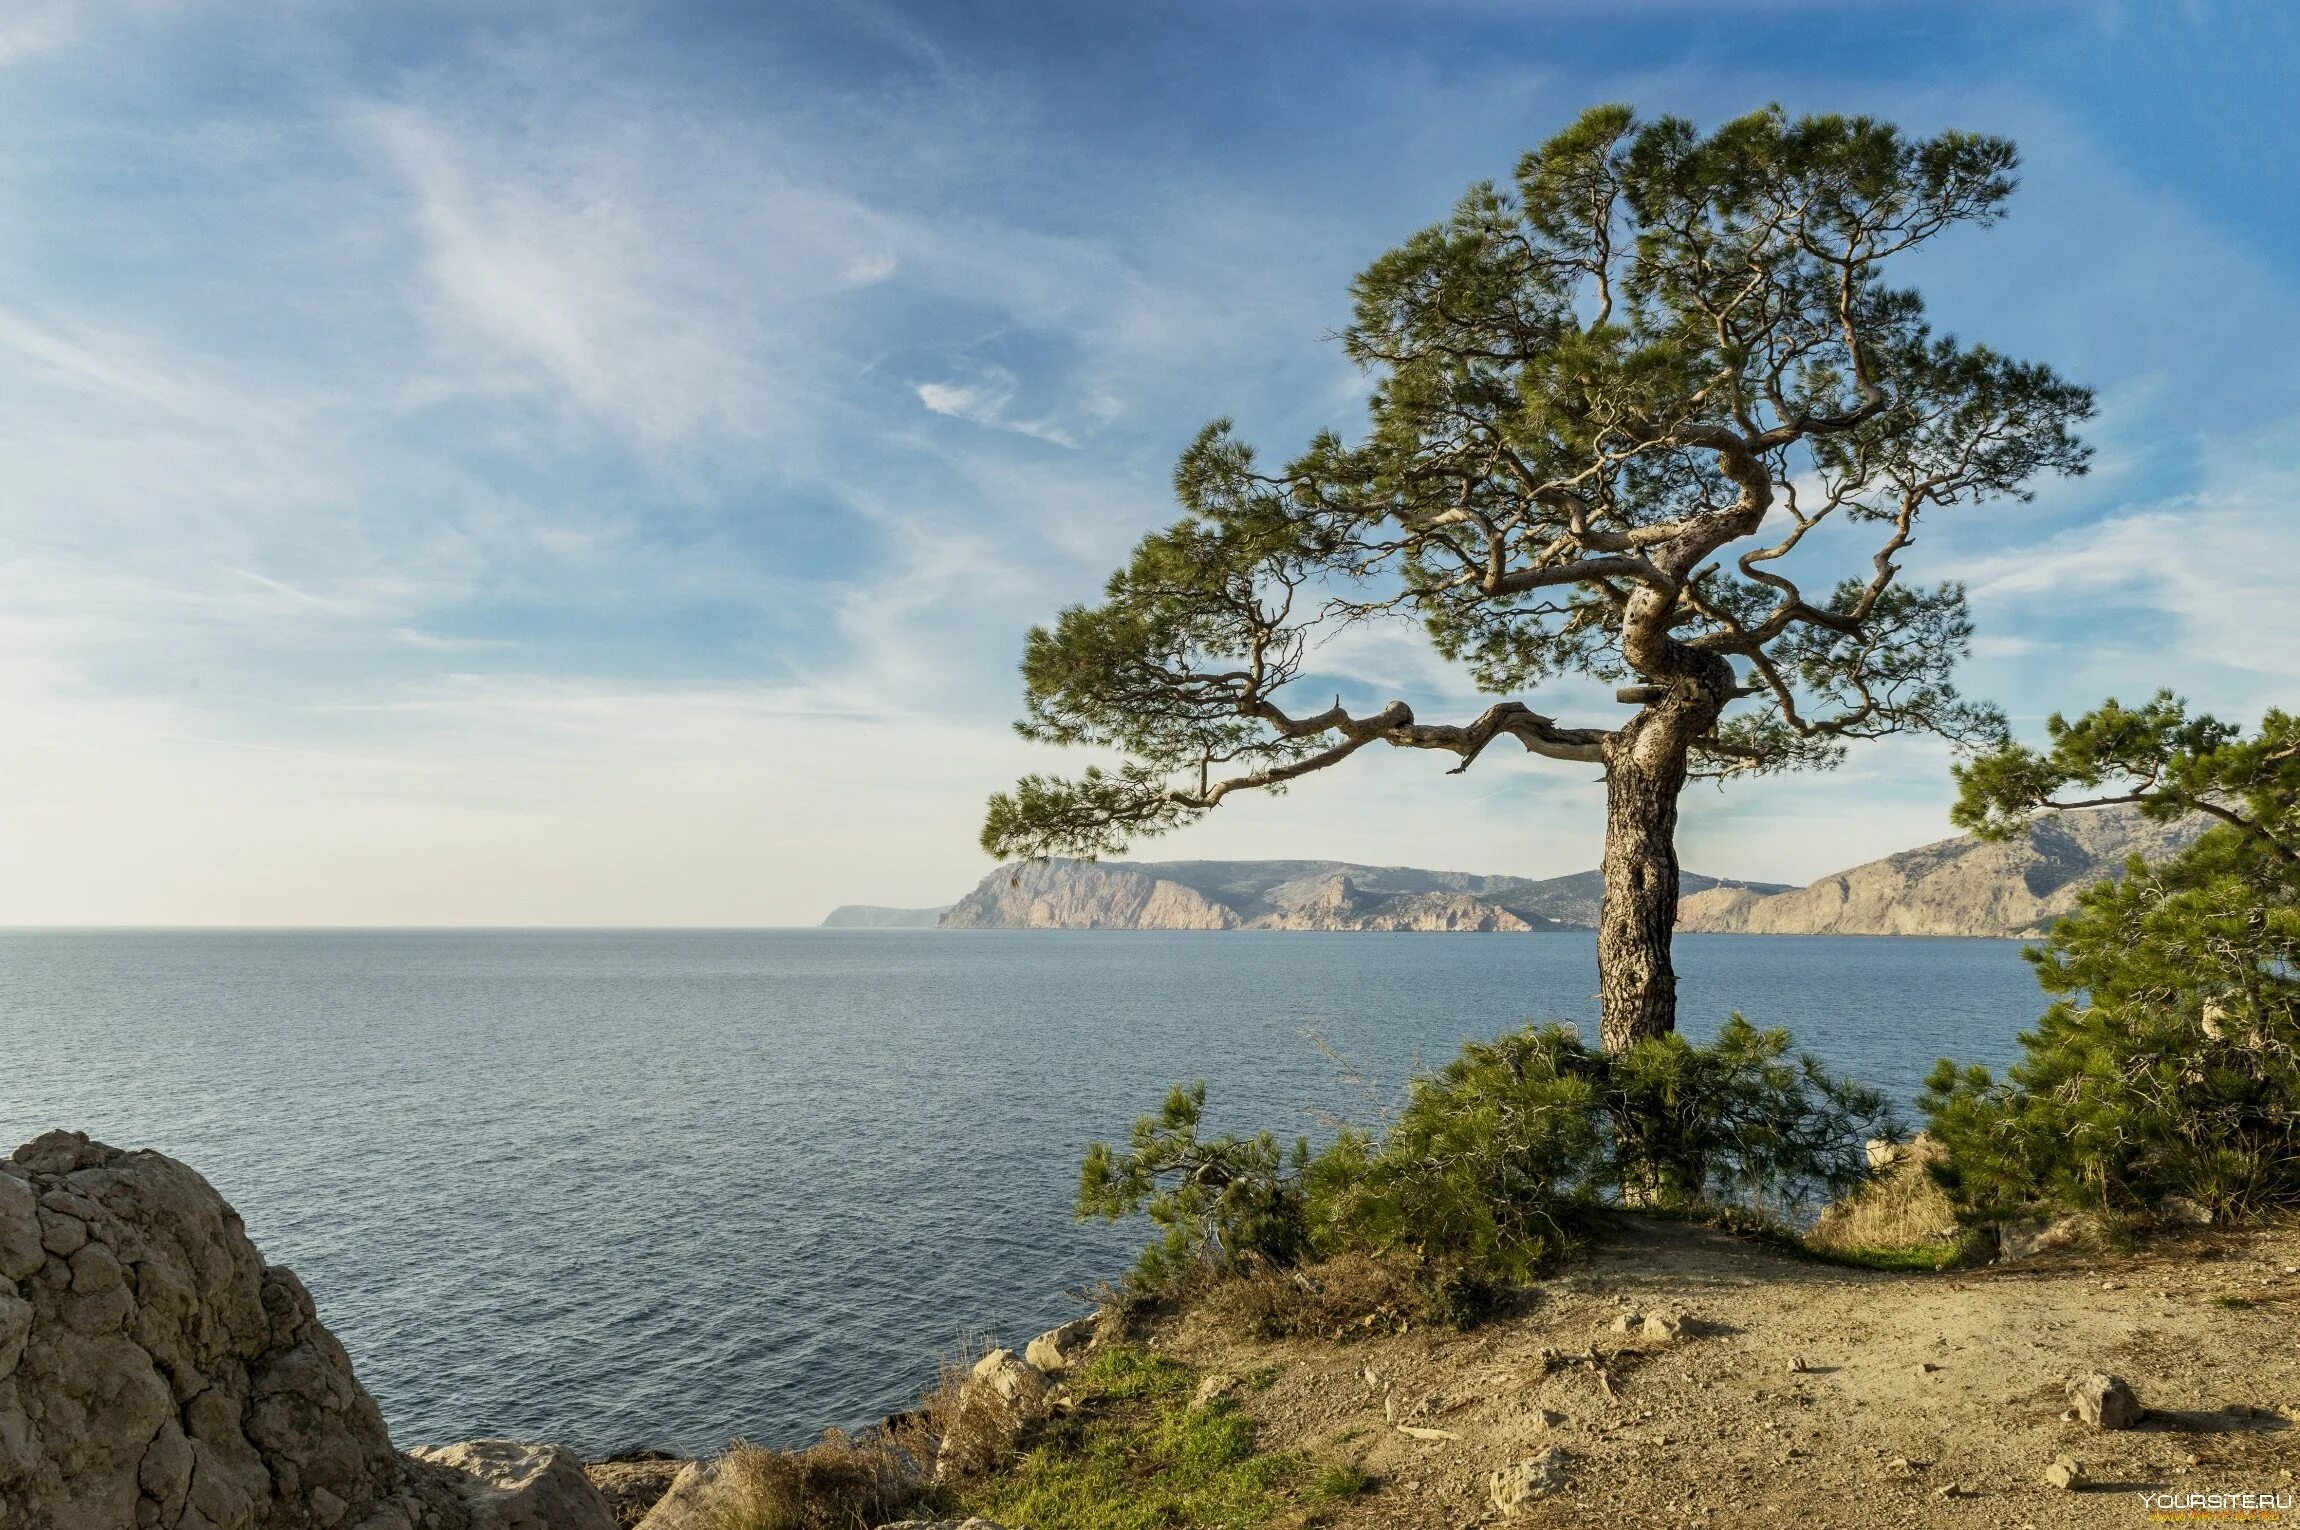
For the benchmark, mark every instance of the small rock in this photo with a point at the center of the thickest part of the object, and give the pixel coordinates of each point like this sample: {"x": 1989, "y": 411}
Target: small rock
{"x": 2065, "y": 1472}
{"x": 1926, "y": 1367}
{"x": 1512, "y": 1487}
{"x": 1797, "y": 1365}
{"x": 1058, "y": 1349}
{"x": 2068, "y": 1415}
{"x": 1213, "y": 1389}
{"x": 1627, "y": 1322}
{"x": 1663, "y": 1326}
{"x": 1954, "y": 1490}
{"x": 2105, "y": 1401}
{"x": 2179, "y": 1208}
{"x": 1544, "y": 1418}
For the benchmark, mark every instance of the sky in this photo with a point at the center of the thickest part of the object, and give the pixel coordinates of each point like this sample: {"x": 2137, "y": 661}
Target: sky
{"x": 490, "y": 463}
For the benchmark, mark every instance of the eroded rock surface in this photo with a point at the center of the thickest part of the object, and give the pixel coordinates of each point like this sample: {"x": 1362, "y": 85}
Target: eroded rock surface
{"x": 159, "y": 1373}
{"x": 512, "y": 1485}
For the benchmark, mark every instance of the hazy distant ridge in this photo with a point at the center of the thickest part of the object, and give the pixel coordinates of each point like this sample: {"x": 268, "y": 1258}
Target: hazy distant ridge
{"x": 869, "y": 916}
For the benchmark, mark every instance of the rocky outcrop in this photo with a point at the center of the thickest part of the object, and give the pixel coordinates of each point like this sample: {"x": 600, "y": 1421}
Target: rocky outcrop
{"x": 156, "y": 1374}
{"x": 870, "y": 916}
{"x": 1337, "y": 903}
{"x": 160, "y": 1373}
{"x": 510, "y": 1485}
{"x": 1084, "y": 895}
{"x": 1961, "y": 886}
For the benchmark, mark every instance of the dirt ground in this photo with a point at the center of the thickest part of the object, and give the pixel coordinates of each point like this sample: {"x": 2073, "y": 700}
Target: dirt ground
{"x": 1915, "y": 1399}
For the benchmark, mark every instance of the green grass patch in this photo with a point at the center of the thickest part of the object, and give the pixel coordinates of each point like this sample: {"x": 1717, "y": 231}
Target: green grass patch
{"x": 2232, "y": 1301}
{"x": 1137, "y": 1456}
{"x": 1915, "y": 1258}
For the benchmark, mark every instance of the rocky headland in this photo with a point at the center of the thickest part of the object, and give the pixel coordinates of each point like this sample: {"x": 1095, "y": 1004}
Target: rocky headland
{"x": 157, "y": 1374}
{"x": 1276, "y": 895}
{"x": 1960, "y": 886}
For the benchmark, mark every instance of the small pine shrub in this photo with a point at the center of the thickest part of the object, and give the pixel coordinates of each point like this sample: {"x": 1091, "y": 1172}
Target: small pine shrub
{"x": 1223, "y": 1204}
{"x": 1486, "y": 1174}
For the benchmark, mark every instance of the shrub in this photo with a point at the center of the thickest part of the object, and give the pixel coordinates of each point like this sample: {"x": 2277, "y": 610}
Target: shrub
{"x": 1137, "y": 1455}
{"x": 2169, "y": 1066}
{"x": 1491, "y": 1160}
{"x": 1489, "y": 1169}
{"x": 1739, "y": 1122}
{"x": 1224, "y": 1204}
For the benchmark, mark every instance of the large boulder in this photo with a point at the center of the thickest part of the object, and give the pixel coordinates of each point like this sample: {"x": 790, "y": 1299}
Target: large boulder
{"x": 155, "y": 1372}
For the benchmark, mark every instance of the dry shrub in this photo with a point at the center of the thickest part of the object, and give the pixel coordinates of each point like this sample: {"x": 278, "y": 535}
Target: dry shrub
{"x": 964, "y": 1430}
{"x": 1900, "y": 1208}
{"x": 1345, "y": 1297}
{"x": 843, "y": 1482}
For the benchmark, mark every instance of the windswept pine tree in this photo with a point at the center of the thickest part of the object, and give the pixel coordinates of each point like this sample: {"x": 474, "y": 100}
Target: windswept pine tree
{"x": 1632, "y": 417}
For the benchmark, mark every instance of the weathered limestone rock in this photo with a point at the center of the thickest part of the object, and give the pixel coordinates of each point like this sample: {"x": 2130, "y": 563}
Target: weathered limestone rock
{"x": 507, "y": 1485}
{"x": 2017, "y": 1241}
{"x": 156, "y": 1374}
{"x": 2066, "y": 1472}
{"x": 2105, "y": 1401}
{"x": 1058, "y": 1349}
{"x": 1016, "y": 1383}
{"x": 696, "y": 1499}
{"x": 1512, "y": 1487}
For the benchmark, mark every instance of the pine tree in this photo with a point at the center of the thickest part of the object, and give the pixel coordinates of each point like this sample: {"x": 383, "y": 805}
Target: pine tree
{"x": 1625, "y": 412}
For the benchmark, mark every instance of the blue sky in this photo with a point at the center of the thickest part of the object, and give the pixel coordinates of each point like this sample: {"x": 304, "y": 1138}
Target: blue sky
{"x": 540, "y": 463}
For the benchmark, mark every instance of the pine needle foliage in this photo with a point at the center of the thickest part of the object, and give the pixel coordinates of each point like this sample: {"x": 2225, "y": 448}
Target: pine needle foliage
{"x": 2169, "y": 1064}
{"x": 1496, "y": 1161}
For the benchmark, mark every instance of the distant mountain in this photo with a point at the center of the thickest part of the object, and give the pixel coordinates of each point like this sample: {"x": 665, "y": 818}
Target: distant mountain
{"x": 1275, "y": 895}
{"x": 1959, "y": 886}
{"x": 868, "y": 916}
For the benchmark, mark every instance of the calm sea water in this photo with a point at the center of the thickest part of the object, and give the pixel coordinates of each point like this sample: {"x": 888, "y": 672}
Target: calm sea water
{"x": 662, "y": 1188}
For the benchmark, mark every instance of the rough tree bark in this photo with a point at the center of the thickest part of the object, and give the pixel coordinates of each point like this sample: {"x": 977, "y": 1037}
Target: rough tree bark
{"x": 1636, "y": 985}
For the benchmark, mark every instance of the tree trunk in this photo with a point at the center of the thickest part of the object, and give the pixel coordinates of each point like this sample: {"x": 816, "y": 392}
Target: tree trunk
{"x": 1637, "y": 986}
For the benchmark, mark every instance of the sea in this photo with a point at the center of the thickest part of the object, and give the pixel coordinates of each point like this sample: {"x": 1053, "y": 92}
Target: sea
{"x": 633, "y": 1189}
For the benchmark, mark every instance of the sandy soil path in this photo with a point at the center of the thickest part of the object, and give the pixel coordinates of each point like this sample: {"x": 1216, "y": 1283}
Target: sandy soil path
{"x": 1914, "y": 1399}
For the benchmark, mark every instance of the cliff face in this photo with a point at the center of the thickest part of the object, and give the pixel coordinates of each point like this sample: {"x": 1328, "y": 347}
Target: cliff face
{"x": 1272, "y": 895}
{"x": 1084, "y": 895}
{"x": 1959, "y": 886}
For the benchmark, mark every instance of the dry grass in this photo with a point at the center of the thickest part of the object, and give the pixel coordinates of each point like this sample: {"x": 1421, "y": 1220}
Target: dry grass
{"x": 964, "y": 1430}
{"x": 1346, "y": 1297}
{"x": 1902, "y": 1212}
{"x": 844, "y": 1482}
